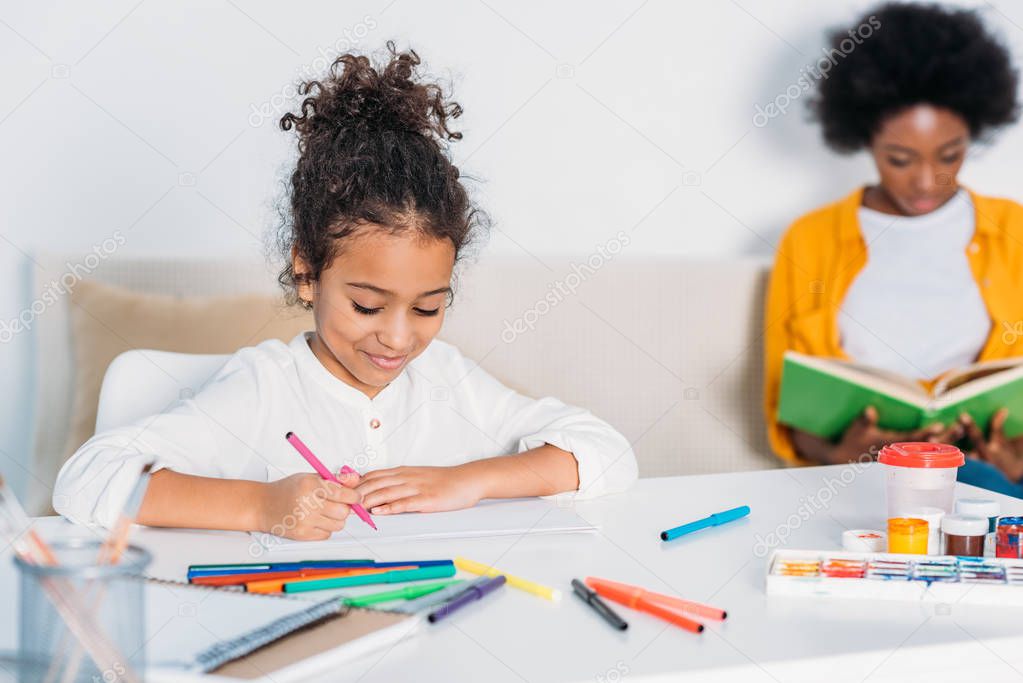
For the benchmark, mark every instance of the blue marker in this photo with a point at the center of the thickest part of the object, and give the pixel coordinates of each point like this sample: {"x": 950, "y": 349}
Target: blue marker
{"x": 713, "y": 520}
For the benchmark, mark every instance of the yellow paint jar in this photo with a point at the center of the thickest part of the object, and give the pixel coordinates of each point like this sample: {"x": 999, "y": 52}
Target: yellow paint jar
{"x": 907, "y": 535}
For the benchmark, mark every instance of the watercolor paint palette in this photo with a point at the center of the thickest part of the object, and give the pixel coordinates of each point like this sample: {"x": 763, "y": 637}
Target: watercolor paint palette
{"x": 887, "y": 576}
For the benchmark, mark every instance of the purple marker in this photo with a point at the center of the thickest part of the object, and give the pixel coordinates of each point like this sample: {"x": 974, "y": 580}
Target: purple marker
{"x": 471, "y": 594}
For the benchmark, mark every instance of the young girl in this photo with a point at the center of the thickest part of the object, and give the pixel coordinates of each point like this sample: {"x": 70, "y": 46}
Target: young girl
{"x": 378, "y": 220}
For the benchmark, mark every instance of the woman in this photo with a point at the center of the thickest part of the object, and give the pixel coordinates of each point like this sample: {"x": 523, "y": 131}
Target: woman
{"x": 913, "y": 274}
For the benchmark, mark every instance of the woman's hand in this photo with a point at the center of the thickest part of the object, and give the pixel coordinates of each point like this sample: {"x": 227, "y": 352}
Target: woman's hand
{"x": 864, "y": 437}
{"x": 305, "y": 507}
{"x": 421, "y": 489}
{"x": 1004, "y": 453}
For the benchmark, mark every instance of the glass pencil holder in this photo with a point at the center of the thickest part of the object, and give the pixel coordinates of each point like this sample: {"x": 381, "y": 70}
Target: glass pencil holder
{"x": 81, "y": 621}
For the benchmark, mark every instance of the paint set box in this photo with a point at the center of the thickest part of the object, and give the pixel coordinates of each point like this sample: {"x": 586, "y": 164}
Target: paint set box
{"x": 888, "y": 576}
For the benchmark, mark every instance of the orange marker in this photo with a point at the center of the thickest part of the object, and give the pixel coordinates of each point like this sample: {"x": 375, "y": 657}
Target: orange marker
{"x": 688, "y": 606}
{"x": 637, "y": 598}
{"x": 277, "y": 585}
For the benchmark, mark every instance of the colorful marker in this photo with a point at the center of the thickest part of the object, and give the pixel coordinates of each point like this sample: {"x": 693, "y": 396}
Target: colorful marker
{"x": 639, "y": 600}
{"x": 201, "y": 570}
{"x": 513, "y": 581}
{"x": 406, "y": 593}
{"x": 243, "y": 579}
{"x": 715, "y": 519}
{"x": 440, "y": 597}
{"x": 304, "y": 451}
{"x": 471, "y": 594}
{"x": 277, "y": 585}
{"x": 694, "y": 608}
{"x": 599, "y": 606}
{"x": 246, "y": 567}
{"x": 394, "y": 576}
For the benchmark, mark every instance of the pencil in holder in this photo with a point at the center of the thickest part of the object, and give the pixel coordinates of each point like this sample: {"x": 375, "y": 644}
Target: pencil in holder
{"x": 109, "y": 599}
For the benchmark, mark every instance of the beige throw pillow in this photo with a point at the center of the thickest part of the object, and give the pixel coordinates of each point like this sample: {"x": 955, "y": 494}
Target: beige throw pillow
{"x": 106, "y": 321}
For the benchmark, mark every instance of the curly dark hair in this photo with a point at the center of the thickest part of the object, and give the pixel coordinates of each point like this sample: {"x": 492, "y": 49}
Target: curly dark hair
{"x": 372, "y": 150}
{"x": 917, "y": 54}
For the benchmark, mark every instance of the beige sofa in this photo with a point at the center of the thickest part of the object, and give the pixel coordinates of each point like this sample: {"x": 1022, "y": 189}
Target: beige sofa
{"x": 667, "y": 350}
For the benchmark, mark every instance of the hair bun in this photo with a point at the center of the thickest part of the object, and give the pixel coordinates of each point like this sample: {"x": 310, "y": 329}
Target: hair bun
{"x": 357, "y": 99}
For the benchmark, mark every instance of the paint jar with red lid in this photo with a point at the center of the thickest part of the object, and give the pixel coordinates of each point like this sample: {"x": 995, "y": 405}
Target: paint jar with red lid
{"x": 1008, "y": 536}
{"x": 920, "y": 474}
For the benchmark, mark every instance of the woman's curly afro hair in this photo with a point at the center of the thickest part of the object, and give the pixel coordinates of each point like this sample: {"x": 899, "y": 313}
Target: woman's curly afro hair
{"x": 917, "y": 54}
{"x": 372, "y": 150}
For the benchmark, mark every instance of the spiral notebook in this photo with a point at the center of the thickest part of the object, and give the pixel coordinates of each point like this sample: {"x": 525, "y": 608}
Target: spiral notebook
{"x": 487, "y": 519}
{"x": 235, "y": 635}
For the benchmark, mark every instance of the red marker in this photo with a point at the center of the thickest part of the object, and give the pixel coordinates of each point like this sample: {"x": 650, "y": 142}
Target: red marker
{"x": 304, "y": 451}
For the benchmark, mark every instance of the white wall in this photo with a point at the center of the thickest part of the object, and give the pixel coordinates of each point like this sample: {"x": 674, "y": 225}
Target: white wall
{"x": 584, "y": 118}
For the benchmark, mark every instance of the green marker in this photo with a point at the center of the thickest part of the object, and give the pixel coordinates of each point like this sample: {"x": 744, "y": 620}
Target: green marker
{"x": 396, "y": 576}
{"x": 406, "y": 593}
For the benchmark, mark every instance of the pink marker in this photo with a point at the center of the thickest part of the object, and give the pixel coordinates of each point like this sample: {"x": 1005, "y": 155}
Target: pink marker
{"x": 304, "y": 451}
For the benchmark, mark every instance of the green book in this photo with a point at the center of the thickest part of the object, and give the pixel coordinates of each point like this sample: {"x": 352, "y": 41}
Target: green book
{"x": 823, "y": 396}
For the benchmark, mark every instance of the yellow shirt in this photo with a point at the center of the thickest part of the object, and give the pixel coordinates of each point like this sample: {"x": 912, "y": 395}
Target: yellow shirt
{"x": 821, "y": 254}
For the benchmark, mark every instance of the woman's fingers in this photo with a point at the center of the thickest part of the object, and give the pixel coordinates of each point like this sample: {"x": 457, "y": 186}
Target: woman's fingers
{"x": 975, "y": 435}
{"x": 997, "y": 426}
{"x": 932, "y": 431}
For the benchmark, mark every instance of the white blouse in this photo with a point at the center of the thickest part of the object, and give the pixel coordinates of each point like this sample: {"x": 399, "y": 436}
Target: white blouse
{"x": 442, "y": 409}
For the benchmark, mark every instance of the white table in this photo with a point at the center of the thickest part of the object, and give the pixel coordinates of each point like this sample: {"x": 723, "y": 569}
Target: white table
{"x": 518, "y": 637}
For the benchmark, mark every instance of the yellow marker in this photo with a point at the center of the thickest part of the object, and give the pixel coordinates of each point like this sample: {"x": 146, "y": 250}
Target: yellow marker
{"x": 514, "y": 581}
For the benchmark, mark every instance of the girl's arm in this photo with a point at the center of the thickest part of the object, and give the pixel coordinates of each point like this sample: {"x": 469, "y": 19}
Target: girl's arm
{"x": 542, "y": 471}
{"x": 184, "y": 500}
{"x": 210, "y": 435}
{"x": 302, "y": 506}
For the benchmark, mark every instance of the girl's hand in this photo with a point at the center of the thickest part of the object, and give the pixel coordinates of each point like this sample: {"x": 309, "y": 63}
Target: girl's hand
{"x": 305, "y": 507}
{"x": 1004, "y": 453}
{"x": 420, "y": 489}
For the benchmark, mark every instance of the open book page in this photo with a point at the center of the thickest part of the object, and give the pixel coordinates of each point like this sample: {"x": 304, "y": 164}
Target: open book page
{"x": 890, "y": 383}
{"x": 983, "y": 380}
{"x": 958, "y": 377}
